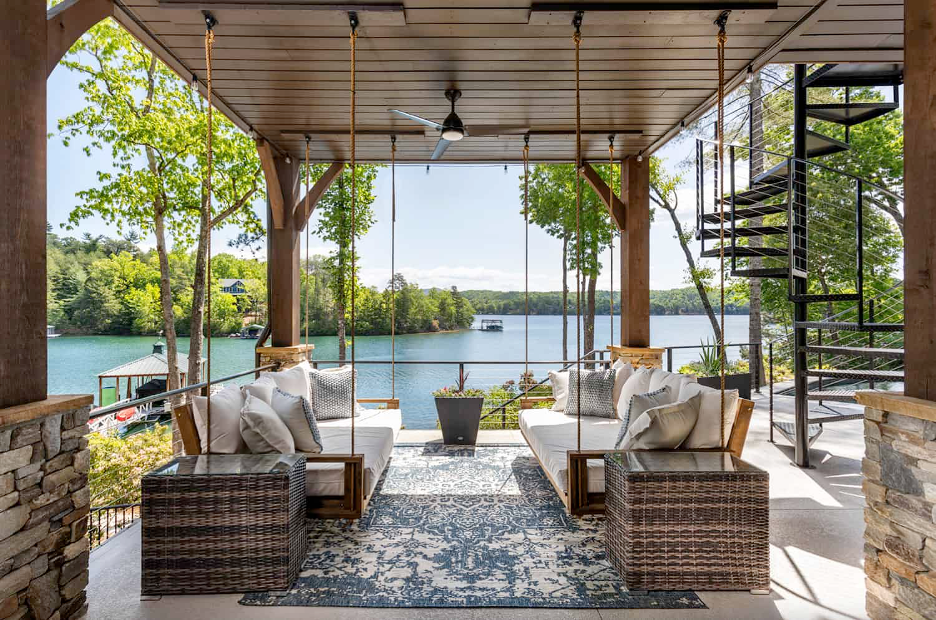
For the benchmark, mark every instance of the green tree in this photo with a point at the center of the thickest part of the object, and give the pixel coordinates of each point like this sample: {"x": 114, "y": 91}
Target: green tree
{"x": 154, "y": 128}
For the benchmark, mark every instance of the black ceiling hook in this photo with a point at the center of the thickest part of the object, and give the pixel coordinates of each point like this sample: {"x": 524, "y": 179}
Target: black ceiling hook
{"x": 577, "y": 20}
{"x": 722, "y": 20}
{"x": 210, "y": 21}
{"x": 353, "y": 19}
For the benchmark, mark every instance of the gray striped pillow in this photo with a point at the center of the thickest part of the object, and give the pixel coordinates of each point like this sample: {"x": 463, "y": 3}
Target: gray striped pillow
{"x": 640, "y": 403}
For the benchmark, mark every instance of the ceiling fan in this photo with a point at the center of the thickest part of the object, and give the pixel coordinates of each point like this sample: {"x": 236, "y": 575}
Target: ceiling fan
{"x": 452, "y": 129}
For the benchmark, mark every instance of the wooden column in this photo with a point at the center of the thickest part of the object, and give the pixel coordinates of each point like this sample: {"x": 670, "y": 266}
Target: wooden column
{"x": 23, "y": 373}
{"x": 635, "y": 253}
{"x": 283, "y": 248}
{"x": 920, "y": 203}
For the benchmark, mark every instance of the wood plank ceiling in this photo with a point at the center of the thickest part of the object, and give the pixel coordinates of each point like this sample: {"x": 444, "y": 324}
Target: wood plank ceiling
{"x": 283, "y": 69}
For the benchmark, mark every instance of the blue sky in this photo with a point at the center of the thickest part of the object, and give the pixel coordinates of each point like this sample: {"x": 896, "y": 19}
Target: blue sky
{"x": 457, "y": 225}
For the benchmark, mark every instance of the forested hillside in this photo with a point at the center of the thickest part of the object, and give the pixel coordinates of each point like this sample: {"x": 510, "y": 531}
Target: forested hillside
{"x": 675, "y": 301}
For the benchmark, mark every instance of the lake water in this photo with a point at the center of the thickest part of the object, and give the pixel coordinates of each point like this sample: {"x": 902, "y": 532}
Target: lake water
{"x": 74, "y": 362}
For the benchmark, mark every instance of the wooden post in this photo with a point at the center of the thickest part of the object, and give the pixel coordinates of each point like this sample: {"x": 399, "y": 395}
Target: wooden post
{"x": 283, "y": 248}
{"x": 23, "y": 357}
{"x": 635, "y": 253}
{"x": 920, "y": 206}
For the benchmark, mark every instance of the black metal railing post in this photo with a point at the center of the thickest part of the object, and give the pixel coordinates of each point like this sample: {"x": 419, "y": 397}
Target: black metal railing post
{"x": 871, "y": 361}
{"x": 669, "y": 359}
{"x": 731, "y": 160}
{"x": 859, "y": 232}
{"x": 770, "y": 378}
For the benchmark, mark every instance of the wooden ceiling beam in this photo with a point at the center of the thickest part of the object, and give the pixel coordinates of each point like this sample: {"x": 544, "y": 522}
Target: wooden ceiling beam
{"x": 300, "y": 209}
{"x": 67, "y": 21}
{"x": 616, "y": 207}
{"x": 274, "y": 189}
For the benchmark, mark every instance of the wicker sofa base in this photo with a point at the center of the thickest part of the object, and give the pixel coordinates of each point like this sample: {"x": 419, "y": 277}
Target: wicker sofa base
{"x": 688, "y": 531}
{"x": 230, "y": 533}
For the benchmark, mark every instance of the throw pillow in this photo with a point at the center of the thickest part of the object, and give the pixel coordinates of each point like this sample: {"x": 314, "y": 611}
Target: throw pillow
{"x": 623, "y": 371}
{"x": 595, "y": 398}
{"x": 640, "y": 403}
{"x": 225, "y": 420}
{"x": 331, "y": 393}
{"x": 263, "y": 431}
{"x": 262, "y": 388}
{"x": 660, "y": 377}
{"x": 559, "y": 380}
{"x": 662, "y": 428}
{"x": 296, "y": 413}
{"x": 294, "y": 380}
{"x": 637, "y": 383}
{"x": 706, "y": 431}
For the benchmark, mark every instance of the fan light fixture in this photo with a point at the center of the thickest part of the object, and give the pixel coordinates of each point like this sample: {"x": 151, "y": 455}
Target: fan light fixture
{"x": 453, "y": 134}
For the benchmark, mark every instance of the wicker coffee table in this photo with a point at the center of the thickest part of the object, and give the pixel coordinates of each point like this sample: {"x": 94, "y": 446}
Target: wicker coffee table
{"x": 687, "y": 521}
{"x": 223, "y": 523}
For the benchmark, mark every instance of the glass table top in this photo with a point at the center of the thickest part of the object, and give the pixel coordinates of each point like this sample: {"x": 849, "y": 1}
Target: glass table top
{"x": 227, "y": 464}
{"x": 681, "y": 461}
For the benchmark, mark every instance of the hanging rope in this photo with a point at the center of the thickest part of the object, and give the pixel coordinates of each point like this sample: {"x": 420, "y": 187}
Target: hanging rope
{"x": 392, "y": 266}
{"x": 527, "y": 380}
{"x": 577, "y": 40}
{"x": 354, "y": 24}
{"x": 307, "y": 214}
{"x": 210, "y": 22}
{"x": 611, "y": 202}
{"x": 722, "y": 39}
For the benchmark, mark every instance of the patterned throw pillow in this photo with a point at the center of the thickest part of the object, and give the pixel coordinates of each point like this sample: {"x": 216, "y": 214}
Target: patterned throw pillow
{"x": 296, "y": 413}
{"x": 639, "y": 403}
{"x": 331, "y": 393}
{"x": 597, "y": 395}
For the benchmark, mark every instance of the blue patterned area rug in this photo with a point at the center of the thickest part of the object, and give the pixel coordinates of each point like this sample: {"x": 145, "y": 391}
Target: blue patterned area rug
{"x": 463, "y": 527}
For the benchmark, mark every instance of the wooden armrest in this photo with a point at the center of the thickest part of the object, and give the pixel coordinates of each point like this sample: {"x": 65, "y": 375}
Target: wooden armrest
{"x": 334, "y": 458}
{"x": 527, "y": 402}
{"x": 391, "y": 403}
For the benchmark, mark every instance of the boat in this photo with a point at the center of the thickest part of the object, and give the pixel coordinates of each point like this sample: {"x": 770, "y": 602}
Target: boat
{"x": 50, "y": 332}
{"x": 492, "y": 325}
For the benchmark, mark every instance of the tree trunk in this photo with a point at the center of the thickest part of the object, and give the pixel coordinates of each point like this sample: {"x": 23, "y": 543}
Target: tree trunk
{"x": 700, "y": 286}
{"x": 565, "y": 297}
{"x": 165, "y": 298}
{"x": 755, "y": 331}
{"x": 590, "y": 317}
{"x": 199, "y": 283}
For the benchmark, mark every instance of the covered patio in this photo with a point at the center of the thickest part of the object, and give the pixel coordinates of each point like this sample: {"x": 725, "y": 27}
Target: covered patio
{"x": 280, "y": 72}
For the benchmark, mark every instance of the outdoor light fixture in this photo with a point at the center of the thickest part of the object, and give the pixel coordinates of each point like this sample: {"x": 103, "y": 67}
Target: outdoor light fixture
{"x": 427, "y": 168}
{"x": 505, "y": 168}
{"x": 252, "y": 133}
{"x": 453, "y": 133}
{"x": 288, "y": 159}
{"x": 640, "y": 156}
{"x": 750, "y": 74}
{"x": 194, "y": 83}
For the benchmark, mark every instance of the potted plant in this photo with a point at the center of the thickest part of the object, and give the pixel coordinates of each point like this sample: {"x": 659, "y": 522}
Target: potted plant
{"x": 708, "y": 371}
{"x": 459, "y": 412}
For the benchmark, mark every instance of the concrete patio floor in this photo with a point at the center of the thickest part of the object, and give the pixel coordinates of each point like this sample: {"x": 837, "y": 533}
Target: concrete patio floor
{"x": 816, "y": 549}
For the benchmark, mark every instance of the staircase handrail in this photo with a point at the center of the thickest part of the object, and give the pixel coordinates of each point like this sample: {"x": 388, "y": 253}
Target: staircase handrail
{"x": 810, "y": 162}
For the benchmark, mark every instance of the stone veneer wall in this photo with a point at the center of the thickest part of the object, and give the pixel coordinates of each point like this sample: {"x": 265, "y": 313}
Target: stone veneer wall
{"x": 44, "y": 506}
{"x": 649, "y": 357}
{"x": 284, "y": 357}
{"x": 900, "y": 516}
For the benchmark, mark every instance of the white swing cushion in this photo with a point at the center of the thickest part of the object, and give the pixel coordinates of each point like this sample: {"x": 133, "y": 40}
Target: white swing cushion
{"x": 375, "y": 431}
{"x": 551, "y": 434}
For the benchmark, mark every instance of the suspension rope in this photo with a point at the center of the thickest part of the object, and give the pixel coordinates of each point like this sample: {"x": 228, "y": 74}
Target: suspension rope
{"x": 392, "y": 266}
{"x": 577, "y": 40}
{"x": 307, "y": 217}
{"x": 210, "y": 22}
{"x": 722, "y": 39}
{"x": 526, "y": 262}
{"x": 352, "y": 16}
{"x": 610, "y": 203}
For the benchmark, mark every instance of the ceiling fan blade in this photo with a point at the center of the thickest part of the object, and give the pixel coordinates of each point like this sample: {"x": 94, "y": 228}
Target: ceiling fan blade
{"x": 419, "y": 119}
{"x": 440, "y": 148}
{"x": 480, "y": 131}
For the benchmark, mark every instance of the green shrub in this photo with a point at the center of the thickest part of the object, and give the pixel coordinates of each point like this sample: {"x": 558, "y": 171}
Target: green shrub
{"x": 117, "y": 464}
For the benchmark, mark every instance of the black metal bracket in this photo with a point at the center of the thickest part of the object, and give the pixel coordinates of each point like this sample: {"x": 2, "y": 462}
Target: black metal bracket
{"x": 353, "y": 19}
{"x": 722, "y": 20}
{"x": 577, "y": 20}
{"x": 210, "y": 21}
{"x": 393, "y": 139}
{"x": 611, "y": 139}
{"x": 526, "y": 139}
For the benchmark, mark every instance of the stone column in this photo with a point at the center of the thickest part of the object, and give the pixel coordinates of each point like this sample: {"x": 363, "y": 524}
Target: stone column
{"x": 284, "y": 357}
{"x": 900, "y": 517}
{"x": 44, "y": 506}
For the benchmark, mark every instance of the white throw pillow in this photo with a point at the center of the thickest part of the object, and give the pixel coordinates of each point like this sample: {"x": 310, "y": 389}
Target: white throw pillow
{"x": 294, "y": 380}
{"x": 622, "y": 372}
{"x": 263, "y": 430}
{"x": 706, "y": 431}
{"x": 663, "y": 428}
{"x": 262, "y": 388}
{"x": 559, "y": 380}
{"x": 225, "y": 420}
{"x": 296, "y": 413}
{"x": 640, "y": 403}
{"x": 660, "y": 377}
{"x": 637, "y": 383}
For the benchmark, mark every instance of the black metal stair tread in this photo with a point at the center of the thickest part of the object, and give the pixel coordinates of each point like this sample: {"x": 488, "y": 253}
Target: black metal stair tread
{"x": 840, "y": 396}
{"x": 745, "y": 231}
{"x": 788, "y": 430}
{"x": 774, "y": 175}
{"x": 855, "y": 74}
{"x": 757, "y": 194}
{"x": 779, "y": 272}
{"x": 823, "y": 417}
{"x": 857, "y": 373}
{"x": 869, "y": 352}
{"x": 818, "y": 145}
{"x": 745, "y": 252}
{"x": 744, "y": 214}
{"x": 849, "y": 326}
{"x": 819, "y": 297}
{"x": 850, "y": 114}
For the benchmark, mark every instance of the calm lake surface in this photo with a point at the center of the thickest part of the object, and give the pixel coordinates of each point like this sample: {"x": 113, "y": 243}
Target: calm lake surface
{"x": 75, "y": 361}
